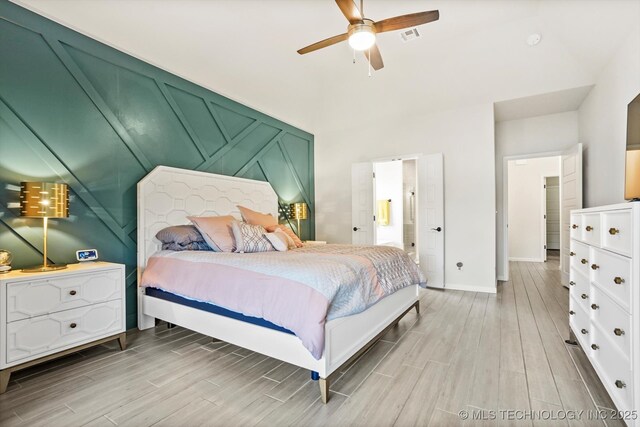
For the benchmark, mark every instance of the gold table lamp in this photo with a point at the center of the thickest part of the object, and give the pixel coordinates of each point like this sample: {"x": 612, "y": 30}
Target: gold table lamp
{"x": 299, "y": 211}
{"x": 44, "y": 200}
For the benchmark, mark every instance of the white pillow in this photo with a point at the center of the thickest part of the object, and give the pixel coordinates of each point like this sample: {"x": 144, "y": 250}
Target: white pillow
{"x": 279, "y": 240}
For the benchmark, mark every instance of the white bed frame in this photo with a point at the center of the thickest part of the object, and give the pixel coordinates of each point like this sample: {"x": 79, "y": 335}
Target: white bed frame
{"x": 166, "y": 196}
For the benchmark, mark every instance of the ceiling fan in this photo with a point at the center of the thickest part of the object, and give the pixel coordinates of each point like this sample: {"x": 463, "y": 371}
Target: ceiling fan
{"x": 361, "y": 32}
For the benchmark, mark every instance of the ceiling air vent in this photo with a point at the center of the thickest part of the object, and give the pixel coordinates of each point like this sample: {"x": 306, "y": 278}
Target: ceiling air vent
{"x": 410, "y": 35}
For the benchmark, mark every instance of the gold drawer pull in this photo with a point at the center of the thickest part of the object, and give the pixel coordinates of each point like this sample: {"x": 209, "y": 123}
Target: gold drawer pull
{"x": 618, "y": 332}
{"x": 594, "y": 306}
{"x": 72, "y": 292}
{"x": 572, "y": 283}
{"x": 584, "y": 331}
{"x": 588, "y": 228}
{"x": 584, "y": 296}
{"x": 572, "y": 254}
{"x": 73, "y": 326}
{"x": 613, "y": 231}
{"x": 620, "y": 384}
{"x": 595, "y": 266}
{"x": 584, "y": 261}
{"x": 571, "y": 312}
{"x": 594, "y": 346}
{"x": 618, "y": 280}
{"x": 574, "y": 226}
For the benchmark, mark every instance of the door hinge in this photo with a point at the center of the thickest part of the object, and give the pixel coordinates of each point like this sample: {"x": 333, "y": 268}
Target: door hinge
{"x": 544, "y": 186}
{"x": 374, "y": 174}
{"x": 374, "y": 218}
{"x": 545, "y": 246}
{"x": 545, "y": 217}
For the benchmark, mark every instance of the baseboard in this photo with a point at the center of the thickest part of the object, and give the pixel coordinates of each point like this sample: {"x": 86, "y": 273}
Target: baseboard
{"x": 526, "y": 259}
{"x": 470, "y": 288}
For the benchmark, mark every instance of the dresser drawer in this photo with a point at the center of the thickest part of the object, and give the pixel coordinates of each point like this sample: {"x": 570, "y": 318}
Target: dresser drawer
{"x": 591, "y": 229}
{"x": 617, "y": 231}
{"x": 579, "y": 322}
{"x": 38, "y": 297}
{"x": 579, "y": 257}
{"x": 614, "y": 370}
{"x": 612, "y": 273}
{"x": 575, "y": 228}
{"x": 39, "y": 336}
{"x": 579, "y": 288}
{"x": 611, "y": 319}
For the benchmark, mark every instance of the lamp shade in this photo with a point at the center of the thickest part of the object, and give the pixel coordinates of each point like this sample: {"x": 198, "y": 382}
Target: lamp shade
{"x": 299, "y": 210}
{"x": 44, "y": 200}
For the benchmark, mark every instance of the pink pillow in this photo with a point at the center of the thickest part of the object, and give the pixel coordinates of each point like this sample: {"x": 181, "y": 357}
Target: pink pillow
{"x": 289, "y": 232}
{"x": 216, "y": 231}
{"x": 256, "y": 218}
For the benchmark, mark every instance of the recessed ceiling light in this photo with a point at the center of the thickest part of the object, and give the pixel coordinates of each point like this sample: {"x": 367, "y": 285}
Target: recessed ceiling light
{"x": 534, "y": 39}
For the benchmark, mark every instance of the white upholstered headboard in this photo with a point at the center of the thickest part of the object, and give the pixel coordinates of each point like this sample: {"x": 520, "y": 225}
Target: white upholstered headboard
{"x": 166, "y": 196}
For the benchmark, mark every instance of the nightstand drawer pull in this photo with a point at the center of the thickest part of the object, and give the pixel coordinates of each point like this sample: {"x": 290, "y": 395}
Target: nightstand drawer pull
{"x": 588, "y": 228}
{"x": 574, "y": 226}
{"x": 584, "y": 261}
{"x": 72, "y": 293}
{"x": 584, "y": 331}
{"x": 613, "y": 231}
{"x": 594, "y": 306}
{"x": 594, "y": 346}
{"x": 73, "y": 326}
{"x": 618, "y": 280}
{"x": 571, "y": 312}
{"x": 584, "y": 296}
{"x": 620, "y": 384}
{"x": 595, "y": 266}
{"x": 618, "y": 332}
{"x": 572, "y": 283}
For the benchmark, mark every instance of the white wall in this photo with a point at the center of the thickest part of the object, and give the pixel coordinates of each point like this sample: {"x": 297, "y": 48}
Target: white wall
{"x": 389, "y": 187}
{"x": 465, "y": 137}
{"x": 541, "y": 134}
{"x": 603, "y": 125}
{"x": 526, "y": 206}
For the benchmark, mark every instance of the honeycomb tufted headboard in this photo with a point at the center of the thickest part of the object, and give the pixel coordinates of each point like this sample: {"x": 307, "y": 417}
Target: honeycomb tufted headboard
{"x": 166, "y": 196}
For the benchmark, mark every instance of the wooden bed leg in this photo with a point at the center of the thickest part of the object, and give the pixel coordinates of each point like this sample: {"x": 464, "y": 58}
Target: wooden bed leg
{"x": 4, "y": 380}
{"x": 417, "y": 306}
{"x": 122, "y": 340}
{"x": 324, "y": 389}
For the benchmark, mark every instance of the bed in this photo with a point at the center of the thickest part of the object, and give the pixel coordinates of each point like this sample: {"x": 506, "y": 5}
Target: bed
{"x": 166, "y": 196}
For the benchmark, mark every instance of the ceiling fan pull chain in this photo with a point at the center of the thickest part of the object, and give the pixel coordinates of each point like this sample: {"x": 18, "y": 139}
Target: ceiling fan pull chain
{"x": 354, "y": 56}
{"x": 369, "y": 56}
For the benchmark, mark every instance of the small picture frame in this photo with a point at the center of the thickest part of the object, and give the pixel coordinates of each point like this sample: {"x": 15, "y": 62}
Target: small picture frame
{"x": 87, "y": 255}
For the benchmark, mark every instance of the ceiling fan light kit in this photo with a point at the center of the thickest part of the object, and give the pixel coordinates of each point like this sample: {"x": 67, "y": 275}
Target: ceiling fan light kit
{"x": 361, "y": 32}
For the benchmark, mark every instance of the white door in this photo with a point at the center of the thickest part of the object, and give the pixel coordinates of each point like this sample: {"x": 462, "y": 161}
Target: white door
{"x": 570, "y": 198}
{"x": 362, "y": 206}
{"x": 553, "y": 213}
{"x": 430, "y": 218}
{"x": 544, "y": 219}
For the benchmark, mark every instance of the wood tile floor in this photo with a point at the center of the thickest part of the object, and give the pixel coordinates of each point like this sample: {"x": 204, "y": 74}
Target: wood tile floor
{"x": 466, "y": 351}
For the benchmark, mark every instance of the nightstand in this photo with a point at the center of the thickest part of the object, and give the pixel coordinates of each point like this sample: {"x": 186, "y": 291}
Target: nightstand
{"x": 47, "y": 315}
{"x": 314, "y": 242}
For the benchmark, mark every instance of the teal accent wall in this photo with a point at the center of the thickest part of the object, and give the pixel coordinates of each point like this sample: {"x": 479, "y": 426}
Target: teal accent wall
{"x": 77, "y": 111}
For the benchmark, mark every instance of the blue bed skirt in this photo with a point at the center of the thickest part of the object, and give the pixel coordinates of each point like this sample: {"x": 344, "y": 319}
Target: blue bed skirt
{"x": 211, "y": 308}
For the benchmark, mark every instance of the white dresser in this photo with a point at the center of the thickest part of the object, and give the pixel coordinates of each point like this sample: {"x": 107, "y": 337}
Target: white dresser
{"x": 47, "y": 315}
{"x": 605, "y": 297}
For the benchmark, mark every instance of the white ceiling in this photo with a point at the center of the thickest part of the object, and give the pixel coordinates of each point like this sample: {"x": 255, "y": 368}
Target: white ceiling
{"x": 246, "y": 50}
{"x": 541, "y": 105}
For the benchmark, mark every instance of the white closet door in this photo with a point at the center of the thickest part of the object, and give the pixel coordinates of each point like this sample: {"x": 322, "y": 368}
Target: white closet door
{"x": 430, "y": 218}
{"x": 362, "y": 206}
{"x": 570, "y": 198}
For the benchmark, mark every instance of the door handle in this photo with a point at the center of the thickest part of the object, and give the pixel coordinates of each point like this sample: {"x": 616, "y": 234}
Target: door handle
{"x": 438, "y": 229}
{"x": 355, "y": 229}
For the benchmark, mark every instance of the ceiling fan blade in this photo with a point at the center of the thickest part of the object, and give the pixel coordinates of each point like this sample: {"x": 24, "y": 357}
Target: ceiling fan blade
{"x": 405, "y": 21}
{"x": 376, "y": 58}
{"x": 350, "y": 10}
{"x": 324, "y": 43}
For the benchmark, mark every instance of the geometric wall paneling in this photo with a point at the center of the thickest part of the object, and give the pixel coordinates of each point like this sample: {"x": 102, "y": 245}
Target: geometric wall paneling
{"x": 77, "y": 111}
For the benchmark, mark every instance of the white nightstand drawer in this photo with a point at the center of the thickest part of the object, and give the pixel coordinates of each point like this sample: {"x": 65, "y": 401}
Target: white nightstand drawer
{"x": 57, "y": 293}
{"x": 579, "y": 287}
{"x": 612, "y": 273}
{"x": 617, "y": 231}
{"x": 579, "y": 257}
{"x": 613, "y": 368}
{"x": 41, "y": 335}
{"x": 611, "y": 319}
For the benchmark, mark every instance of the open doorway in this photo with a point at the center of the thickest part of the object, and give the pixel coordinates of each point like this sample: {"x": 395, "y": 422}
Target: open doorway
{"x": 395, "y": 185}
{"x": 534, "y": 209}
